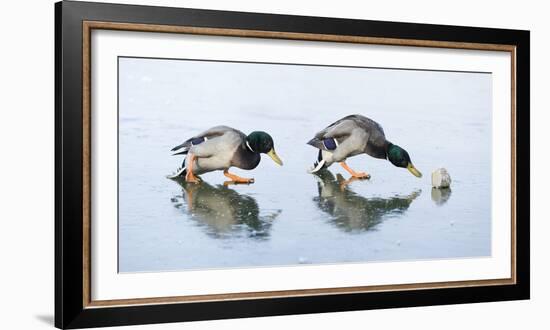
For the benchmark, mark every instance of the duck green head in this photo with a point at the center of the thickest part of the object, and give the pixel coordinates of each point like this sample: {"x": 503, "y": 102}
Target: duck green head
{"x": 263, "y": 143}
{"x": 400, "y": 158}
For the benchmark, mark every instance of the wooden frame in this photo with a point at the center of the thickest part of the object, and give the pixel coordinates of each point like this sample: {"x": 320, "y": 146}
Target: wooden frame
{"x": 74, "y": 23}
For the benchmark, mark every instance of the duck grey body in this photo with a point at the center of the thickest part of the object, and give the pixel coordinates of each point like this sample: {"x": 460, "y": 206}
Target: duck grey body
{"x": 220, "y": 148}
{"x": 218, "y": 151}
{"x": 224, "y": 147}
{"x": 354, "y": 135}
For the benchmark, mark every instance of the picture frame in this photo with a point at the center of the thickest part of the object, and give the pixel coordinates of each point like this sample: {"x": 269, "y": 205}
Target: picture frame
{"x": 74, "y": 25}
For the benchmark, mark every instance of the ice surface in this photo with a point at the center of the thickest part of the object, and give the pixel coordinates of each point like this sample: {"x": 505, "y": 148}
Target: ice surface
{"x": 288, "y": 216}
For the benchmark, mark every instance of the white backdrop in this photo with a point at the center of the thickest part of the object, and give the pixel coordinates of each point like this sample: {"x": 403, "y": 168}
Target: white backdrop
{"x": 26, "y": 166}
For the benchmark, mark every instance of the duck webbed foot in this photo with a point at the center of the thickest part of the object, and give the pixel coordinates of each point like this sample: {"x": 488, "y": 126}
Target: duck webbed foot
{"x": 190, "y": 177}
{"x": 237, "y": 179}
{"x": 358, "y": 175}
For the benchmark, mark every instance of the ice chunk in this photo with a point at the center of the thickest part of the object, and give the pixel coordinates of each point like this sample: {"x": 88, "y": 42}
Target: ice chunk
{"x": 441, "y": 178}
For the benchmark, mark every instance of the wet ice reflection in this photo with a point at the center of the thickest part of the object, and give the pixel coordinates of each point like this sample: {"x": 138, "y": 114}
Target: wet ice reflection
{"x": 441, "y": 196}
{"x": 352, "y": 212}
{"x": 222, "y": 211}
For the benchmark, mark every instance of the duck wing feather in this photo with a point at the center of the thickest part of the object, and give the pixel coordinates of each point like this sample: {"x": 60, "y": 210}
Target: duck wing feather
{"x": 338, "y": 131}
{"x": 209, "y": 134}
{"x": 352, "y": 135}
{"x": 377, "y": 144}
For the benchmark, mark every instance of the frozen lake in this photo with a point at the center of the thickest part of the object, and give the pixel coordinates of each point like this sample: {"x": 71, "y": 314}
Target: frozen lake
{"x": 289, "y": 217}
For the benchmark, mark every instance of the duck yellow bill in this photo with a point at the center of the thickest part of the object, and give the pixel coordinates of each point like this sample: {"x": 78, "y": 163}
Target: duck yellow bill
{"x": 414, "y": 171}
{"x": 274, "y": 156}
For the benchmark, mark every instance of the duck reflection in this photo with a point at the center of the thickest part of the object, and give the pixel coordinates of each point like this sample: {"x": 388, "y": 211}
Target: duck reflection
{"x": 222, "y": 211}
{"x": 441, "y": 196}
{"x": 352, "y": 212}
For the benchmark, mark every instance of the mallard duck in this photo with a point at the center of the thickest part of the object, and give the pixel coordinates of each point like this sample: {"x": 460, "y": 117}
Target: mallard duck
{"x": 354, "y": 135}
{"x": 220, "y": 148}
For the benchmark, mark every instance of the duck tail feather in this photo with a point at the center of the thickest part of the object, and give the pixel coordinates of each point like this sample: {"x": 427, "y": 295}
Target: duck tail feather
{"x": 180, "y": 171}
{"x": 185, "y": 146}
{"x": 183, "y": 151}
{"x": 179, "y": 146}
{"x": 317, "y": 166}
{"x": 315, "y": 142}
